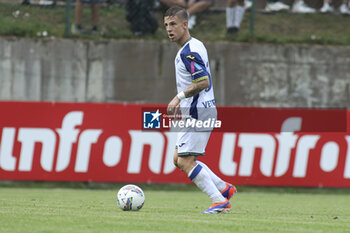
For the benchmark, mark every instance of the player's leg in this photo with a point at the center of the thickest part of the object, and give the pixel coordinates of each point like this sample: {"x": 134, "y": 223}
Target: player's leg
{"x": 190, "y": 145}
{"x": 226, "y": 189}
{"x": 219, "y": 183}
{"x": 186, "y": 163}
{"x": 200, "y": 177}
{"x": 175, "y": 158}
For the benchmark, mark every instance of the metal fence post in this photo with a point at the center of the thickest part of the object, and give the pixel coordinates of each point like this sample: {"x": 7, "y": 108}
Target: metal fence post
{"x": 68, "y": 8}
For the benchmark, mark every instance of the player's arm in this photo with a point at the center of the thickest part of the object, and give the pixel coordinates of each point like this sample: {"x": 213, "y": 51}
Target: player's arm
{"x": 192, "y": 90}
{"x": 196, "y": 87}
{"x": 200, "y": 80}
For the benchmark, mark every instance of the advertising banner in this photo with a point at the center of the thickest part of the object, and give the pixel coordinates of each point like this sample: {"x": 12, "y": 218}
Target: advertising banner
{"x": 103, "y": 142}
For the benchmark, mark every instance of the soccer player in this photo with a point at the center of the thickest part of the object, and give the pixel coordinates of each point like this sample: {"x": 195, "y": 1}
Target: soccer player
{"x": 195, "y": 90}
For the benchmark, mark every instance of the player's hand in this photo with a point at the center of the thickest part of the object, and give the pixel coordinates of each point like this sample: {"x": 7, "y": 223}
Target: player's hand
{"x": 173, "y": 106}
{"x": 177, "y": 113}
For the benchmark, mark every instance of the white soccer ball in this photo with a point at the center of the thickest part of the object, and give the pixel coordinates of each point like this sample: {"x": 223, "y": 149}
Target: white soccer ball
{"x": 130, "y": 197}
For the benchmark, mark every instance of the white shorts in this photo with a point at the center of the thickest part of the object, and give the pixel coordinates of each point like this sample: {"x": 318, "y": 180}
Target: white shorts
{"x": 192, "y": 143}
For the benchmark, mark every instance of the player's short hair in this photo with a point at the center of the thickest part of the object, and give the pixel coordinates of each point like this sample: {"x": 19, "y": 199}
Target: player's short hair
{"x": 177, "y": 11}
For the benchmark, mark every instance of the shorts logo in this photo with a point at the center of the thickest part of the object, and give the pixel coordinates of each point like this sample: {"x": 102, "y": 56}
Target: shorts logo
{"x": 151, "y": 120}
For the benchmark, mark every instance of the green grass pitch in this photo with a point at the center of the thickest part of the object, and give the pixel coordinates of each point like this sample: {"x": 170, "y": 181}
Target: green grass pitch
{"x": 91, "y": 210}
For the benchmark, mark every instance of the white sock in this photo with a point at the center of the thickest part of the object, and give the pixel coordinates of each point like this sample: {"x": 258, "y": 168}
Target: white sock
{"x": 239, "y": 16}
{"x": 230, "y": 15}
{"x": 201, "y": 178}
{"x": 219, "y": 183}
{"x": 191, "y": 21}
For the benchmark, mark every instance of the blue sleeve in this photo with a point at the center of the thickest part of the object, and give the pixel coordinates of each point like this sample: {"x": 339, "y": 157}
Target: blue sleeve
{"x": 195, "y": 65}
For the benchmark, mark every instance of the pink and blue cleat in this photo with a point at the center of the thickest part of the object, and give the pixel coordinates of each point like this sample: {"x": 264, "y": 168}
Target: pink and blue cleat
{"x": 229, "y": 191}
{"x": 223, "y": 207}
{"x": 218, "y": 208}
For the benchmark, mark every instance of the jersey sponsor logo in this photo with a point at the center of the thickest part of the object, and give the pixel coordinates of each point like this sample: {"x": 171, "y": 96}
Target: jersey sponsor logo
{"x": 191, "y": 57}
{"x": 198, "y": 67}
{"x": 195, "y": 66}
{"x": 209, "y": 103}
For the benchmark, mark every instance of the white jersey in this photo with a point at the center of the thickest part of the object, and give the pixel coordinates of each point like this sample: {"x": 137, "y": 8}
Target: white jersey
{"x": 192, "y": 65}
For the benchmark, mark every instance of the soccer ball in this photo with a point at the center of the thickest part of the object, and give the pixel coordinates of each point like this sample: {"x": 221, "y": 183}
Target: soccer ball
{"x": 130, "y": 197}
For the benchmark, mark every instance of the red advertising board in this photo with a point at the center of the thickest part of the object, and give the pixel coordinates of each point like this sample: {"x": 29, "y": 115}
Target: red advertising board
{"x": 108, "y": 143}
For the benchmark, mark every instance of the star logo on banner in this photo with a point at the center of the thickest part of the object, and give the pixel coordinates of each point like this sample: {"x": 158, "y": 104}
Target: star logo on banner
{"x": 156, "y": 115}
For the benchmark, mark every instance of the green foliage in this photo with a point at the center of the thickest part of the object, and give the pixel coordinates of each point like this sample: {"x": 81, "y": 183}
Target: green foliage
{"x": 86, "y": 210}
